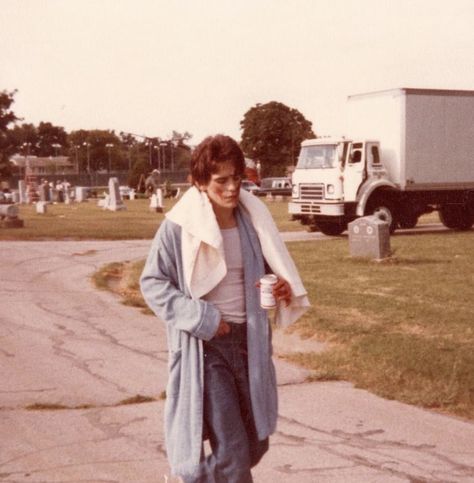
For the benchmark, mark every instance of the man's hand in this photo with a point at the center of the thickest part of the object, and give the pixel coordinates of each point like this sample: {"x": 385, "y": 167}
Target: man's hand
{"x": 222, "y": 329}
{"x": 282, "y": 291}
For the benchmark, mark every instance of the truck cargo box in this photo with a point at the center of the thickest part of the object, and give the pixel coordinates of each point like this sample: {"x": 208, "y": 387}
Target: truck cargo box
{"x": 426, "y": 136}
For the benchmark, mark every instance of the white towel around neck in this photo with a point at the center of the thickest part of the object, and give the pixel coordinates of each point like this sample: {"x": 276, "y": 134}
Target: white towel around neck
{"x": 203, "y": 252}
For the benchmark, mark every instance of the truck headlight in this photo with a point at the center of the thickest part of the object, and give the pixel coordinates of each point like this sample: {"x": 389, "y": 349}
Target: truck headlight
{"x": 294, "y": 191}
{"x": 330, "y": 189}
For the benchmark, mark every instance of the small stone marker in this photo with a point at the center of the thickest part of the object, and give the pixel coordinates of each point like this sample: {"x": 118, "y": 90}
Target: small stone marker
{"x": 132, "y": 194}
{"x": 369, "y": 237}
{"x": 104, "y": 202}
{"x": 81, "y": 194}
{"x": 41, "y": 207}
{"x": 9, "y": 211}
{"x": 115, "y": 202}
{"x": 9, "y": 217}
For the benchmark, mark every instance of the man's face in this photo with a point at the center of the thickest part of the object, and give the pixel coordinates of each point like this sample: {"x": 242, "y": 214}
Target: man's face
{"x": 224, "y": 187}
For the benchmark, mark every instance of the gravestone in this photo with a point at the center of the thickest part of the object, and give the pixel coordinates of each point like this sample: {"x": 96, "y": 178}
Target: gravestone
{"x": 104, "y": 202}
{"x": 115, "y": 202}
{"x": 9, "y": 217}
{"x": 22, "y": 191}
{"x": 369, "y": 237}
{"x": 156, "y": 201}
{"x": 132, "y": 194}
{"x": 41, "y": 207}
{"x": 81, "y": 194}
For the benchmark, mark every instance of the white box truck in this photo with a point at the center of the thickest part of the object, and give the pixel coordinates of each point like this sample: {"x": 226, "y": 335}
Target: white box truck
{"x": 409, "y": 152}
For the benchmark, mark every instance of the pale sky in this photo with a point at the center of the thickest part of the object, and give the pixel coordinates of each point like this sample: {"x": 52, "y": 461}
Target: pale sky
{"x": 150, "y": 67}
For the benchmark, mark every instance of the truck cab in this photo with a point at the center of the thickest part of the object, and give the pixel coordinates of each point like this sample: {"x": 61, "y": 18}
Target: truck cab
{"x": 329, "y": 180}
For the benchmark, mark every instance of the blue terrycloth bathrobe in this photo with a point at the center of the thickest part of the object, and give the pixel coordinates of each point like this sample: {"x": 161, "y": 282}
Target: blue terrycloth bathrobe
{"x": 188, "y": 323}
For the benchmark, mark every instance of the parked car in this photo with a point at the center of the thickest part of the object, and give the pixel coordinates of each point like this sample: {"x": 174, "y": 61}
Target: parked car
{"x": 250, "y": 186}
{"x": 275, "y": 186}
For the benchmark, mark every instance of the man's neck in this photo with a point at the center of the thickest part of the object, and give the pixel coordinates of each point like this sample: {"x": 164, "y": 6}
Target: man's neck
{"x": 225, "y": 218}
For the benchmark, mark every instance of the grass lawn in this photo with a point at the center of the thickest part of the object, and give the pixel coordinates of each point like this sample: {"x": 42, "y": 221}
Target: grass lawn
{"x": 87, "y": 221}
{"x": 403, "y": 328}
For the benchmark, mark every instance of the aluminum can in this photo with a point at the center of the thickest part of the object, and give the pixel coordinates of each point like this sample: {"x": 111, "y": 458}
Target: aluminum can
{"x": 267, "y": 300}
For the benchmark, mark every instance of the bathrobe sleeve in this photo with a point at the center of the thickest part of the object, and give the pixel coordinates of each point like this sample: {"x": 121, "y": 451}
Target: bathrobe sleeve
{"x": 164, "y": 291}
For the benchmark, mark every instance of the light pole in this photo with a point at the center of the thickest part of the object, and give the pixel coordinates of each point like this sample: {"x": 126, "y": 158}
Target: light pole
{"x": 56, "y": 147}
{"x": 158, "y": 164}
{"x": 76, "y": 149}
{"x": 88, "y": 146}
{"x": 129, "y": 157}
{"x": 149, "y": 143}
{"x": 109, "y": 146}
{"x": 26, "y": 147}
{"x": 164, "y": 154}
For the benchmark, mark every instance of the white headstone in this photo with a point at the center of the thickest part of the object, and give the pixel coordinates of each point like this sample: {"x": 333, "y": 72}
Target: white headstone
{"x": 115, "y": 202}
{"x": 159, "y": 197}
{"x": 11, "y": 211}
{"x": 41, "y": 207}
{"x": 156, "y": 204}
{"x": 369, "y": 237}
{"x": 132, "y": 194}
{"x": 81, "y": 194}
{"x": 22, "y": 191}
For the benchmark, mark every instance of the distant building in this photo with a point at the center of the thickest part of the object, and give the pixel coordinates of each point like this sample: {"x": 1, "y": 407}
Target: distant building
{"x": 41, "y": 166}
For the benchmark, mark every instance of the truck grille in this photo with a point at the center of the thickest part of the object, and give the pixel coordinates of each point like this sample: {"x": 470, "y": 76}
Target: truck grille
{"x": 312, "y": 191}
{"x": 310, "y": 209}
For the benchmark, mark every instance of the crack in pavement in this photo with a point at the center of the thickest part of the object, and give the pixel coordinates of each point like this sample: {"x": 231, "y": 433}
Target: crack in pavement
{"x": 345, "y": 445}
{"x": 75, "y": 465}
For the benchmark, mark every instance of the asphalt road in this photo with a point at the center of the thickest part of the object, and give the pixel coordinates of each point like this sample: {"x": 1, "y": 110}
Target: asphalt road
{"x": 71, "y": 356}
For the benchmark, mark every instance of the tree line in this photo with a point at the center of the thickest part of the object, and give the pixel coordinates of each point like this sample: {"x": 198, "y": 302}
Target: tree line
{"x": 271, "y": 134}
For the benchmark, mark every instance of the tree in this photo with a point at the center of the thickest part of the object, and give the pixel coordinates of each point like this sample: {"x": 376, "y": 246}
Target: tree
{"x": 51, "y": 139}
{"x": 272, "y": 134}
{"x": 7, "y": 148}
{"x": 25, "y": 138}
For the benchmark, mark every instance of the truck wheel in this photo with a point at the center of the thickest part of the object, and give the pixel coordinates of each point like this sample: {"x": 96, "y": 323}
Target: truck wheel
{"x": 330, "y": 228}
{"x": 383, "y": 209}
{"x": 456, "y": 217}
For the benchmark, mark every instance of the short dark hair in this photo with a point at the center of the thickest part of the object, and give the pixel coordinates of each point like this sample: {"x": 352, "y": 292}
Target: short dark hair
{"x": 210, "y": 153}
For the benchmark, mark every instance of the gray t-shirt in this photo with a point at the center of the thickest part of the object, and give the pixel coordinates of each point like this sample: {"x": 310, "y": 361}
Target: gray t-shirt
{"x": 229, "y": 295}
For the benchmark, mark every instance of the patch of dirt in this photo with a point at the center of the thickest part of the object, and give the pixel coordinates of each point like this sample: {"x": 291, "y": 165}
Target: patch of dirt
{"x": 285, "y": 342}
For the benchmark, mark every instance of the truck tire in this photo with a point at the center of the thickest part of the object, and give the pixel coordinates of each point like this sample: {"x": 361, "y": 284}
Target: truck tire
{"x": 383, "y": 209}
{"x": 456, "y": 217}
{"x": 331, "y": 228}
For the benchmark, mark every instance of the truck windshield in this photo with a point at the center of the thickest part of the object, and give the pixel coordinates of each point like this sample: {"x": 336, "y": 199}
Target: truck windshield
{"x": 312, "y": 157}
